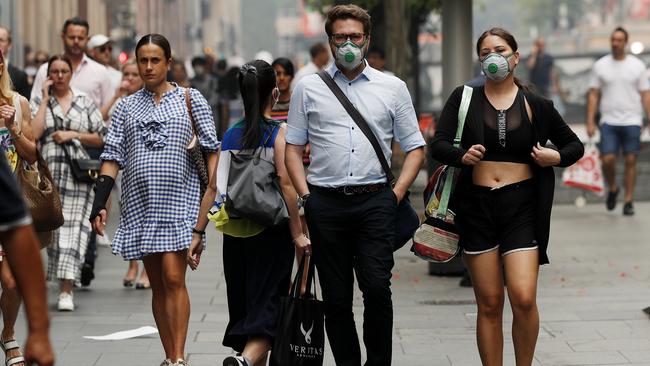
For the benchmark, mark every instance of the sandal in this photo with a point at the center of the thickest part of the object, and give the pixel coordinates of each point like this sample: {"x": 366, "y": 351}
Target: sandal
{"x": 142, "y": 285}
{"x": 8, "y": 346}
{"x": 127, "y": 283}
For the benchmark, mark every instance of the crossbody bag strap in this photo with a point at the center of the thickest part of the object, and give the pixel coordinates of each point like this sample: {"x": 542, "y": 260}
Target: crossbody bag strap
{"x": 188, "y": 103}
{"x": 360, "y": 121}
{"x": 449, "y": 182}
{"x": 54, "y": 120}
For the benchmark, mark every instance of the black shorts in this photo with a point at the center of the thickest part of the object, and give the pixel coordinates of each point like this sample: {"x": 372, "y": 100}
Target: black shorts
{"x": 498, "y": 218}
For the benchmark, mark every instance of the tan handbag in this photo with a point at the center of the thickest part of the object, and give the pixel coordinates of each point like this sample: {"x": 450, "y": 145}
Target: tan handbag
{"x": 41, "y": 196}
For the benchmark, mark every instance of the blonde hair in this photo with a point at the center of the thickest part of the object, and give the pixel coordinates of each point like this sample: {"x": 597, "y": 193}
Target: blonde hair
{"x": 6, "y": 92}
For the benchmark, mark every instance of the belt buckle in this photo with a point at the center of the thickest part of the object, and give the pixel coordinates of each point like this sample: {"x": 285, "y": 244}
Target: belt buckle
{"x": 346, "y": 192}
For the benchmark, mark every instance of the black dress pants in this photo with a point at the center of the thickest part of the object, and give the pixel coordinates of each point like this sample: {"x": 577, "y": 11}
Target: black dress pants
{"x": 355, "y": 233}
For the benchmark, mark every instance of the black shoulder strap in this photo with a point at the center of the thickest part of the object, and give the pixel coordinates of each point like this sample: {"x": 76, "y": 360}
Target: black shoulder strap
{"x": 360, "y": 121}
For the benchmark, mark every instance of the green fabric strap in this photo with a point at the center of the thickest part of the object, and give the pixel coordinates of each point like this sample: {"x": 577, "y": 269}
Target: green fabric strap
{"x": 451, "y": 171}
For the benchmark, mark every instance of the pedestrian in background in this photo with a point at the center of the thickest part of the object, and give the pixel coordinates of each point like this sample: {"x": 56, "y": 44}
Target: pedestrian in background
{"x": 320, "y": 57}
{"x": 162, "y": 211}
{"x": 284, "y": 73}
{"x": 88, "y": 76}
{"x": 206, "y": 83}
{"x": 540, "y": 68}
{"x": 91, "y": 78}
{"x": 179, "y": 74}
{"x": 100, "y": 49}
{"x": 22, "y": 253}
{"x": 377, "y": 60}
{"x": 18, "y": 76}
{"x": 349, "y": 203}
{"x": 257, "y": 261}
{"x": 131, "y": 83}
{"x": 619, "y": 89}
{"x": 66, "y": 118}
{"x": 505, "y": 191}
{"x": 16, "y": 143}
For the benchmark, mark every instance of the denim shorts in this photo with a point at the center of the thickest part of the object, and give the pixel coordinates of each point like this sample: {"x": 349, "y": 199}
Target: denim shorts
{"x": 615, "y": 138}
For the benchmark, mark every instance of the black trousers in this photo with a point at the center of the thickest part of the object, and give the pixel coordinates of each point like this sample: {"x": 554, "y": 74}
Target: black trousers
{"x": 354, "y": 233}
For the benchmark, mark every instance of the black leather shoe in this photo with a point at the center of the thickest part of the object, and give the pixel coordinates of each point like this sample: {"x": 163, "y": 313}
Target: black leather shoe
{"x": 628, "y": 209}
{"x": 87, "y": 274}
{"x": 235, "y": 361}
{"x": 611, "y": 199}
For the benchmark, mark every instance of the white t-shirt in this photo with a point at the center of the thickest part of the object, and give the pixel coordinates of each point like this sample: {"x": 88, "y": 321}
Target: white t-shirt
{"x": 620, "y": 83}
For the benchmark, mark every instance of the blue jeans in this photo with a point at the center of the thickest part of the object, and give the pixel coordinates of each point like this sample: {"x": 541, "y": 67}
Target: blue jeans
{"x": 615, "y": 138}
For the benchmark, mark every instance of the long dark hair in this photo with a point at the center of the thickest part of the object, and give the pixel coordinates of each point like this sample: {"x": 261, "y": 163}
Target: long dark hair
{"x": 256, "y": 82}
{"x": 510, "y": 40}
{"x": 157, "y": 39}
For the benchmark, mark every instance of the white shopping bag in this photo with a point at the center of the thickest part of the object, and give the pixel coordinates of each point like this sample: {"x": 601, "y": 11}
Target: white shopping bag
{"x": 587, "y": 173}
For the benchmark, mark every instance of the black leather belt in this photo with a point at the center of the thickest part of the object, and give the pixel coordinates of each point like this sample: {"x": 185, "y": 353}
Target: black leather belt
{"x": 351, "y": 190}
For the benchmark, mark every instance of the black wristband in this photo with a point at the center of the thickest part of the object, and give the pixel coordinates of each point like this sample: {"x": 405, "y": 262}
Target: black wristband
{"x": 197, "y": 231}
{"x": 103, "y": 187}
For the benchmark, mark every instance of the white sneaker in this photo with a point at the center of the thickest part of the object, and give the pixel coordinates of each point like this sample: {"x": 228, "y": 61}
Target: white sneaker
{"x": 65, "y": 302}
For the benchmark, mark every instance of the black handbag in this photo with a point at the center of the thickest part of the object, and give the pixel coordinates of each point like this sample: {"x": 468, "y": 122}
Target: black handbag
{"x": 407, "y": 220}
{"x": 300, "y": 336}
{"x": 84, "y": 170}
{"x": 254, "y": 189}
{"x": 197, "y": 156}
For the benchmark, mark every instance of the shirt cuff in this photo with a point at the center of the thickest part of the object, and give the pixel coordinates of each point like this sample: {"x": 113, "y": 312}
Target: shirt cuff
{"x": 296, "y": 136}
{"x": 412, "y": 142}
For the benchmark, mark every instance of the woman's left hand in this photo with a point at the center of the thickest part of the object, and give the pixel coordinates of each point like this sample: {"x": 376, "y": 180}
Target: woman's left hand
{"x": 194, "y": 252}
{"x": 545, "y": 157}
{"x": 61, "y": 137}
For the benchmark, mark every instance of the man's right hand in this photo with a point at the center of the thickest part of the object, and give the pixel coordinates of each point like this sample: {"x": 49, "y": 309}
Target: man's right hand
{"x": 591, "y": 129}
{"x": 38, "y": 350}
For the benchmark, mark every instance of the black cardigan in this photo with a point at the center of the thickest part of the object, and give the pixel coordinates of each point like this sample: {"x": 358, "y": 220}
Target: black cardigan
{"x": 547, "y": 125}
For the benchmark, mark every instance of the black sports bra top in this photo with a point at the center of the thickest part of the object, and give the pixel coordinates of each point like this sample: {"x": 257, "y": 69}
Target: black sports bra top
{"x": 508, "y": 134}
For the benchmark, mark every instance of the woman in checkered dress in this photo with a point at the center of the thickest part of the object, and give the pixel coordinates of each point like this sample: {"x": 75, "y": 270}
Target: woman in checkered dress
{"x": 162, "y": 212}
{"x": 66, "y": 118}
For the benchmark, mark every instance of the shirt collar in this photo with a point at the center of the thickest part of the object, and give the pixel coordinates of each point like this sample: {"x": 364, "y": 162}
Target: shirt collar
{"x": 150, "y": 93}
{"x": 333, "y": 70}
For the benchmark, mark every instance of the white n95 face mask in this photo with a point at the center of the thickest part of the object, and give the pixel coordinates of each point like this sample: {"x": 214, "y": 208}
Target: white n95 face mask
{"x": 496, "y": 67}
{"x": 349, "y": 55}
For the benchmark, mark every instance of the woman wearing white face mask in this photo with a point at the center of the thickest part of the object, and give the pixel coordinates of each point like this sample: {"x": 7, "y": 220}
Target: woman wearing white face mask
{"x": 504, "y": 195}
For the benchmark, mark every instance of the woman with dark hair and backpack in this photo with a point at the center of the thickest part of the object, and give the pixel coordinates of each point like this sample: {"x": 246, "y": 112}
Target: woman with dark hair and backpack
{"x": 162, "y": 212}
{"x": 505, "y": 192}
{"x": 257, "y": 260}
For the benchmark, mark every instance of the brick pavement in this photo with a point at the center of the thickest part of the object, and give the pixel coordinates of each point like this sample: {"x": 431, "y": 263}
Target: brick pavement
{"x": 590, "y": 300}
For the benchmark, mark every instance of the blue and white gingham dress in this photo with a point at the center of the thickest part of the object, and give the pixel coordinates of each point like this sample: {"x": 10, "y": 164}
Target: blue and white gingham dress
{"x": 160, "y": 185}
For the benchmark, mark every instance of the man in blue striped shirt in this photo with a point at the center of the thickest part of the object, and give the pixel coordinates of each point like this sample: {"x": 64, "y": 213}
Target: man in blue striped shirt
{"x": 350, "y": 205}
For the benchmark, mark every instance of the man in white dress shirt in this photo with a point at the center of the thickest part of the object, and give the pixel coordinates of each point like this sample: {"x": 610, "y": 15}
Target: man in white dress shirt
{"x": 88, "y": 76}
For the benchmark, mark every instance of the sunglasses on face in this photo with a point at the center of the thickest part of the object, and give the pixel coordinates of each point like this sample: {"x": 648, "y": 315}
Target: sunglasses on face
{"x": 105, "y": 48}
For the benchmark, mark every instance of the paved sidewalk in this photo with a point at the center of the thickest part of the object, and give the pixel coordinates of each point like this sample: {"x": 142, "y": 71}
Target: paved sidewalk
{"x": 590, "y": 299}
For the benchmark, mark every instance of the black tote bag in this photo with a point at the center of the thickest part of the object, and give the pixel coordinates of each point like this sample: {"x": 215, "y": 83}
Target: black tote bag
{"x": 300, "y": 339}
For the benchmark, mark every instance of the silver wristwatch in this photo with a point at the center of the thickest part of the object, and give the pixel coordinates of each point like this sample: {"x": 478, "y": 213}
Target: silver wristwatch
{"x": 302, "y": 200}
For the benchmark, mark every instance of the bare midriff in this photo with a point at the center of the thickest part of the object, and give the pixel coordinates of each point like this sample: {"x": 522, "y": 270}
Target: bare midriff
{"x": 498, "y": 173}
